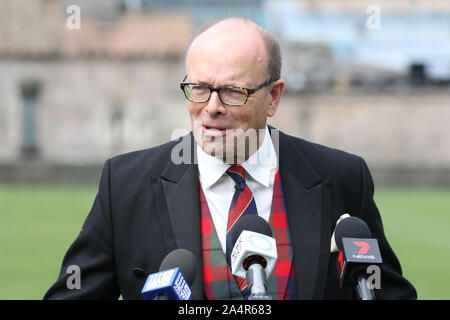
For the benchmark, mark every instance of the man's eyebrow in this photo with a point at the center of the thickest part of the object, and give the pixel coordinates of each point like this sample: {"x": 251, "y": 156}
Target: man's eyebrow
{"x": 227, "y": 84}
{"x": 220, "y": 86}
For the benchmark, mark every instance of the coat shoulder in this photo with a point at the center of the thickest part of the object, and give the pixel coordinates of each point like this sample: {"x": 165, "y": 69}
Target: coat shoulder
{"x": 149, "y": 161}
{"x": 326, "y": 161}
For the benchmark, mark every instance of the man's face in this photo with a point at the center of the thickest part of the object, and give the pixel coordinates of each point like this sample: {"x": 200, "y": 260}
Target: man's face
{"x": 231, "y": 56}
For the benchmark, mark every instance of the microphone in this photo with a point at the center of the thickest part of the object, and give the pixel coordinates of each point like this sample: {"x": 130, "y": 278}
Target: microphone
{"x": 176, "y": 274}
{"x": 357, "y": 251}
{"x": 253, "y": 255}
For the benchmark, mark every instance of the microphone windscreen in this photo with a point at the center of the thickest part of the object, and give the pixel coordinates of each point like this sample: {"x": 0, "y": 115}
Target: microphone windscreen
{"x": 183, "y": 259}
{"x": 253, "y": 223}
{"x": 351, "y": 227}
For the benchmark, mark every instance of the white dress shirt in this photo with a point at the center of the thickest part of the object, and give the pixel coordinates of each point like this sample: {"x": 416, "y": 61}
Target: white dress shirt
{"x": 218, "y": 186}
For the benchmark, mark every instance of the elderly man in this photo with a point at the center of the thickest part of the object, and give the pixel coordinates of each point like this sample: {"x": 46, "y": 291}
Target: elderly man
{"x": 232, "y": 164}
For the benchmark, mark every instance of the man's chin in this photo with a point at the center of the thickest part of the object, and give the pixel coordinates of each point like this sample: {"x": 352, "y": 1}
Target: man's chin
{"x": 213, "y": 149}
{"x": 229, "y": 155}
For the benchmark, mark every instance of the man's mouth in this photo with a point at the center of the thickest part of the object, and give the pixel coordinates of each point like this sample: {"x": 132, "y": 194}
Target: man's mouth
{"x": 213, "y": 130}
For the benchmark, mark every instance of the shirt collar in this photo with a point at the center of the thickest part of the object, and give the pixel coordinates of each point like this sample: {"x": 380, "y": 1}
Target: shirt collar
{"x": 258, "y": 166}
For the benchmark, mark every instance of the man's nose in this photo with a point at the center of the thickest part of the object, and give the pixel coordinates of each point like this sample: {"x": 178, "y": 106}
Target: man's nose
{"x": 215, "y": 107}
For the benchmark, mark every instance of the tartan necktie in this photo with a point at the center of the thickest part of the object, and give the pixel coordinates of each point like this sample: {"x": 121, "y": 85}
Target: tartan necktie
{"x": 243, "y": 203}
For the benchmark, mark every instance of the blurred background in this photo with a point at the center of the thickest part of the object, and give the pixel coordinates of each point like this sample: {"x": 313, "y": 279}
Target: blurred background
{"x": 82, "y": 81}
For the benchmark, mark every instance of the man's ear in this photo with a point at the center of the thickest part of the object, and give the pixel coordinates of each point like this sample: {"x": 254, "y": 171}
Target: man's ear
{"x": 276, "y": 90}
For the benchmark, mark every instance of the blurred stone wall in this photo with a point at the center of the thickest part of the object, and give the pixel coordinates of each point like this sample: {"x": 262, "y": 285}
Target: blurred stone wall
{"x": 404, "y": 137}
{"x": 113, "y": 87}
{"x": 89, "y": 110}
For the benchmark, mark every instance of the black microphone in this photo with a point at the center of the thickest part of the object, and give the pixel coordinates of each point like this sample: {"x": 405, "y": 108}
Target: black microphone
{"x": 253, "y": 255}
{"x": 176, "y": 274}
{"x": 358, "y": 251}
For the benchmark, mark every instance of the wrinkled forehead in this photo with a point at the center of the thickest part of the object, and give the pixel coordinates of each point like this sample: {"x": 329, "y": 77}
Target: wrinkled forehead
{"x": 228, "y": 51}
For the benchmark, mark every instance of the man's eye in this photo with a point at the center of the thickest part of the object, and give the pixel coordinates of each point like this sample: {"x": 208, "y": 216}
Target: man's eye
{"x": 199, "y": 89}
{"x": 233, "y": 92}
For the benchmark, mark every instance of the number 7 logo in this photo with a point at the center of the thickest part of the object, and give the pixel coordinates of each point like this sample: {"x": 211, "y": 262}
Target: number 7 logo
{"x": 363, "y": 245}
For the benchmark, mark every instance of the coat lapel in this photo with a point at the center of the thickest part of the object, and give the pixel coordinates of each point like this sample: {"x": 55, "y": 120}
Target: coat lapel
{"x": 304, "y": 192}
{"x": 181, "y": 192}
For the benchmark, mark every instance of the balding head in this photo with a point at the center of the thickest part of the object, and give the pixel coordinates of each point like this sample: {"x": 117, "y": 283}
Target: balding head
{"x": 240, "y": 32}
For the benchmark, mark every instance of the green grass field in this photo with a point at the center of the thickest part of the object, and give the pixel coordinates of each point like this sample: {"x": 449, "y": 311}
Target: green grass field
{"x": 38, "y": 223}
{"x": 417, "y": 226}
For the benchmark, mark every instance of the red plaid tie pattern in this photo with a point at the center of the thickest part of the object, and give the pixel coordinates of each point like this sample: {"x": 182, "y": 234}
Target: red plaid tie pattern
{"x": 218, "y": 281}
{"x": 281, "y": 283}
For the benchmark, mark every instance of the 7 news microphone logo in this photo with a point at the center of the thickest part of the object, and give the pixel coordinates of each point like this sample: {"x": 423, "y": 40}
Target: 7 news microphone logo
{"x": 364, "y": 248}
{"x": 363, "y": 245}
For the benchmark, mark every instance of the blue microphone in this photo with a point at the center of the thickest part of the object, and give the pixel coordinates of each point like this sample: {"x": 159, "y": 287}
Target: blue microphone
{"x": 172, "y": 282}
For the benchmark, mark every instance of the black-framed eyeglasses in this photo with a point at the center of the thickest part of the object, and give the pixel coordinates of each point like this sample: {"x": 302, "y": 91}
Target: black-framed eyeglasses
{"x": 228, "y": 95}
